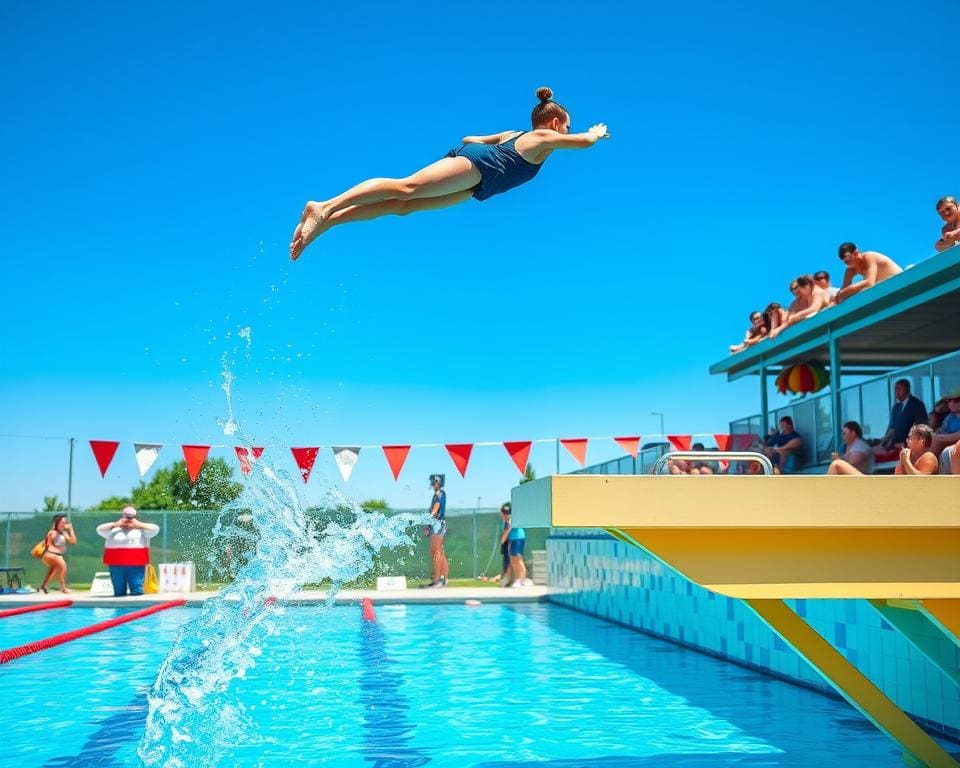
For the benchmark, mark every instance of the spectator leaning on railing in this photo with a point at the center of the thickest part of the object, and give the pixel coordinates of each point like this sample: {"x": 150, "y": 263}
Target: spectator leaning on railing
{"x": 872, "y": 266}
{"x": 811, "y": 298}
{"x": 756, "y": 332}
{"x": 950, "y": 213}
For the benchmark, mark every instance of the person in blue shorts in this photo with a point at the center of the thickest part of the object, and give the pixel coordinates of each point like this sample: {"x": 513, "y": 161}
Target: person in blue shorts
{"x": 438, "y": 511}
{"x": 514, "y": 538}
{"x": 482, "y": 167}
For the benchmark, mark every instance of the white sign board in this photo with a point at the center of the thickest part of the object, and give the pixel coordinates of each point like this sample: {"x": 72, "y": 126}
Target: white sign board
{"x": 177, "y": 577}
{"x": 101, "y": 586}
{"x": 390, "y": 583}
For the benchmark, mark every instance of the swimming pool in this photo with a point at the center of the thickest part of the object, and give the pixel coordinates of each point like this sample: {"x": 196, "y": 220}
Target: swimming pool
{"x": 441, "y": 685}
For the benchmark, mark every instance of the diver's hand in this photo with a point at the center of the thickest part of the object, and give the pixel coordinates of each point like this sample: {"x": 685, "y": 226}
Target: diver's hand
{"x": 599, "y": 131}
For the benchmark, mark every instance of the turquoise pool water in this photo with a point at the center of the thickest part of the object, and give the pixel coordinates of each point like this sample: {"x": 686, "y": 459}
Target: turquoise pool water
{"x": 439, "y": 685}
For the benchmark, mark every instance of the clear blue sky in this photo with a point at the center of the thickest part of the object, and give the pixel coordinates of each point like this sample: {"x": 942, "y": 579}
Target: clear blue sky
{"x": 156, "y": 158}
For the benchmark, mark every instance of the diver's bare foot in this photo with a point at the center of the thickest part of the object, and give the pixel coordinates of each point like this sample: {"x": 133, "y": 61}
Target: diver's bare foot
{"x": 311, "y": 226}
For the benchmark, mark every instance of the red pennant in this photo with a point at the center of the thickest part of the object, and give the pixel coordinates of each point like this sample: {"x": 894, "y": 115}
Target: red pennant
{"x": 743, "y": 442}
{"x": 103, "y": 452}
{"x": 519, "y": 452}
{"x": 630, "y": 444}
{"x": 723, "y": 442}
{"x": 305, "y": 458}
{"x": 396, "y": 456}
{"x": 195, "y": 455}
{"x": 460, "y": 453}
{"x": 245, "y": 457}
{"x": 577, "y": 447}
{"x": 680, "y": 442}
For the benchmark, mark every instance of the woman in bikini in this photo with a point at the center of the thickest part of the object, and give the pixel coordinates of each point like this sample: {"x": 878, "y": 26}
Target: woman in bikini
{"x": 484, "y": 166}
{"x": 60, "y": 534}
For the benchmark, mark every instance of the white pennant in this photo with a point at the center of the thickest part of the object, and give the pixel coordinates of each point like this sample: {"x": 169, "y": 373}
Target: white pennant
{"x": 146, "y": 454}
{"x": 346, "y": 459}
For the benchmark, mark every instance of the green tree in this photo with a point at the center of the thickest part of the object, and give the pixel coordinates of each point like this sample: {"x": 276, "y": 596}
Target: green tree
{"x": 51, "y": 504}
{"x": 528, "y": 475}
{"x": 378, "y": 505}
{"x": 170, "y": 488}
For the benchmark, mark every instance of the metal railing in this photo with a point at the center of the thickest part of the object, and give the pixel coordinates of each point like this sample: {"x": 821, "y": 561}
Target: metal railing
{"x": 709, "y": 456}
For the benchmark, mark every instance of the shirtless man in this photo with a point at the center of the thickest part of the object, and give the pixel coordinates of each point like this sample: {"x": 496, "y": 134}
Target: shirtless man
{"x": 811, "y": 298}
{"x": 872, "y": 266}
{"x": 950, "y": 213}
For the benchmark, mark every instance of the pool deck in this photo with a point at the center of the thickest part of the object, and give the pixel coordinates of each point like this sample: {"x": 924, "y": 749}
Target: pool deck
{"x": 447, "y": 595}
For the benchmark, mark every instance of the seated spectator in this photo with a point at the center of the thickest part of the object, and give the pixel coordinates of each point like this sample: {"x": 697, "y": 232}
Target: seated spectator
{"x": 700, "y": 467}
{"x": 950, "y": 233}
{"x": 783, "y": 448}
{"x": 907, "y": 411}
{"x": 857, "y": 455}
{"x": 756, "y": 332}
{"x": 822, "y": 279}
{"x": 954, "y": 458}
{"x": 938, "y": 413}
{"x": 811, "y": 298}
{"x": 872, "y": 266}
{"x": 774, "y": 315}
{"x": 949, "y": 431}
{"x": 916, "y": 458}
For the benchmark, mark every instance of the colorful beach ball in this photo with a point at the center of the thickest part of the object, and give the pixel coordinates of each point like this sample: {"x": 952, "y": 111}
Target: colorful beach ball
{"x": 802, "y": 378}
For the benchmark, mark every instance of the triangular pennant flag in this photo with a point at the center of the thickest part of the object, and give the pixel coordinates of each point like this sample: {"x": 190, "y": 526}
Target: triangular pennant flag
{"x": 346, "y": 459}
{"x": 146, "y": 454}
{"x": 723, "y": 442}
{"x": 630, "y": 444}
{"x": 519, "y": 452}
{"x": 195, "y": 455}
{"x": 396, "y": 456}
{"x": 305, "y": 458}
{"x": 460, "y": 453}
{"x": 577, "y": 447}
{"x": 103, "y": 452}
{"x": 245, "y": 456}
{"x": 744, "y": 442}
{"x": 680, "y": 442}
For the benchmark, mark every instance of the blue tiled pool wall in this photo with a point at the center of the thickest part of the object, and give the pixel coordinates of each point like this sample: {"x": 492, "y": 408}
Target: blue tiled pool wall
{"x": 592, "y": 572}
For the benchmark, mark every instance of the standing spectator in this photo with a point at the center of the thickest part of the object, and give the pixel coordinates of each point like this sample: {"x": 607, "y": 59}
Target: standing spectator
{"x": 949, "y": 431}
{"x": 811, "y": 298}
{"x": 55, "y": 550}
{"x": 515, "y": 540}
{"x": 950, "y": 213}
{"x": 916, "y": 458}
{"x": 907, "y": 411}
{"x": 872, "y": 266}
{"x": 822, "y": 279}
{"x": 438, "y": 530}
{"x": 505, "y": 576}
{"x": 756, "y": 332}
{"x": 127, "y": 551}
{"x": 783, "y": 448}
{"x": 857, "y": 455}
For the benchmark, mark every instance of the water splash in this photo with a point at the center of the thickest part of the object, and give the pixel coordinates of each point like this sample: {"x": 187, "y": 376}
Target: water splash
{"x": 268, "y": 544}
{"x": 193, "y": 718}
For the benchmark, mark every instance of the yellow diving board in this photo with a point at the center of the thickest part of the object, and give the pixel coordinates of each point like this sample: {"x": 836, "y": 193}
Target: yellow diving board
{"x": 892, "y": 540}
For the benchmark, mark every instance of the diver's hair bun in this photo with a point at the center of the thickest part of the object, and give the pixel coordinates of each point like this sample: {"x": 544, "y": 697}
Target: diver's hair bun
{"x": 544, "y": 93}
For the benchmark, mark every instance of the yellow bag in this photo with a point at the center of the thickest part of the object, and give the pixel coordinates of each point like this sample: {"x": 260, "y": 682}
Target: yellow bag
{"x": 151, "y": 585}
{"x": 40, "y": 549}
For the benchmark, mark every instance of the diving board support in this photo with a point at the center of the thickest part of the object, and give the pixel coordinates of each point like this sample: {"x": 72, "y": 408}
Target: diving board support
{"x": 945, "y": 614}
{"x": 921, "y": 629}
{"x": 851, "y": 683}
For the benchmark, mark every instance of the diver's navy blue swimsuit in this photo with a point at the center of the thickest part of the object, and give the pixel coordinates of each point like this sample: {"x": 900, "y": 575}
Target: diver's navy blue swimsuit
{"x": 501, "y": 166}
